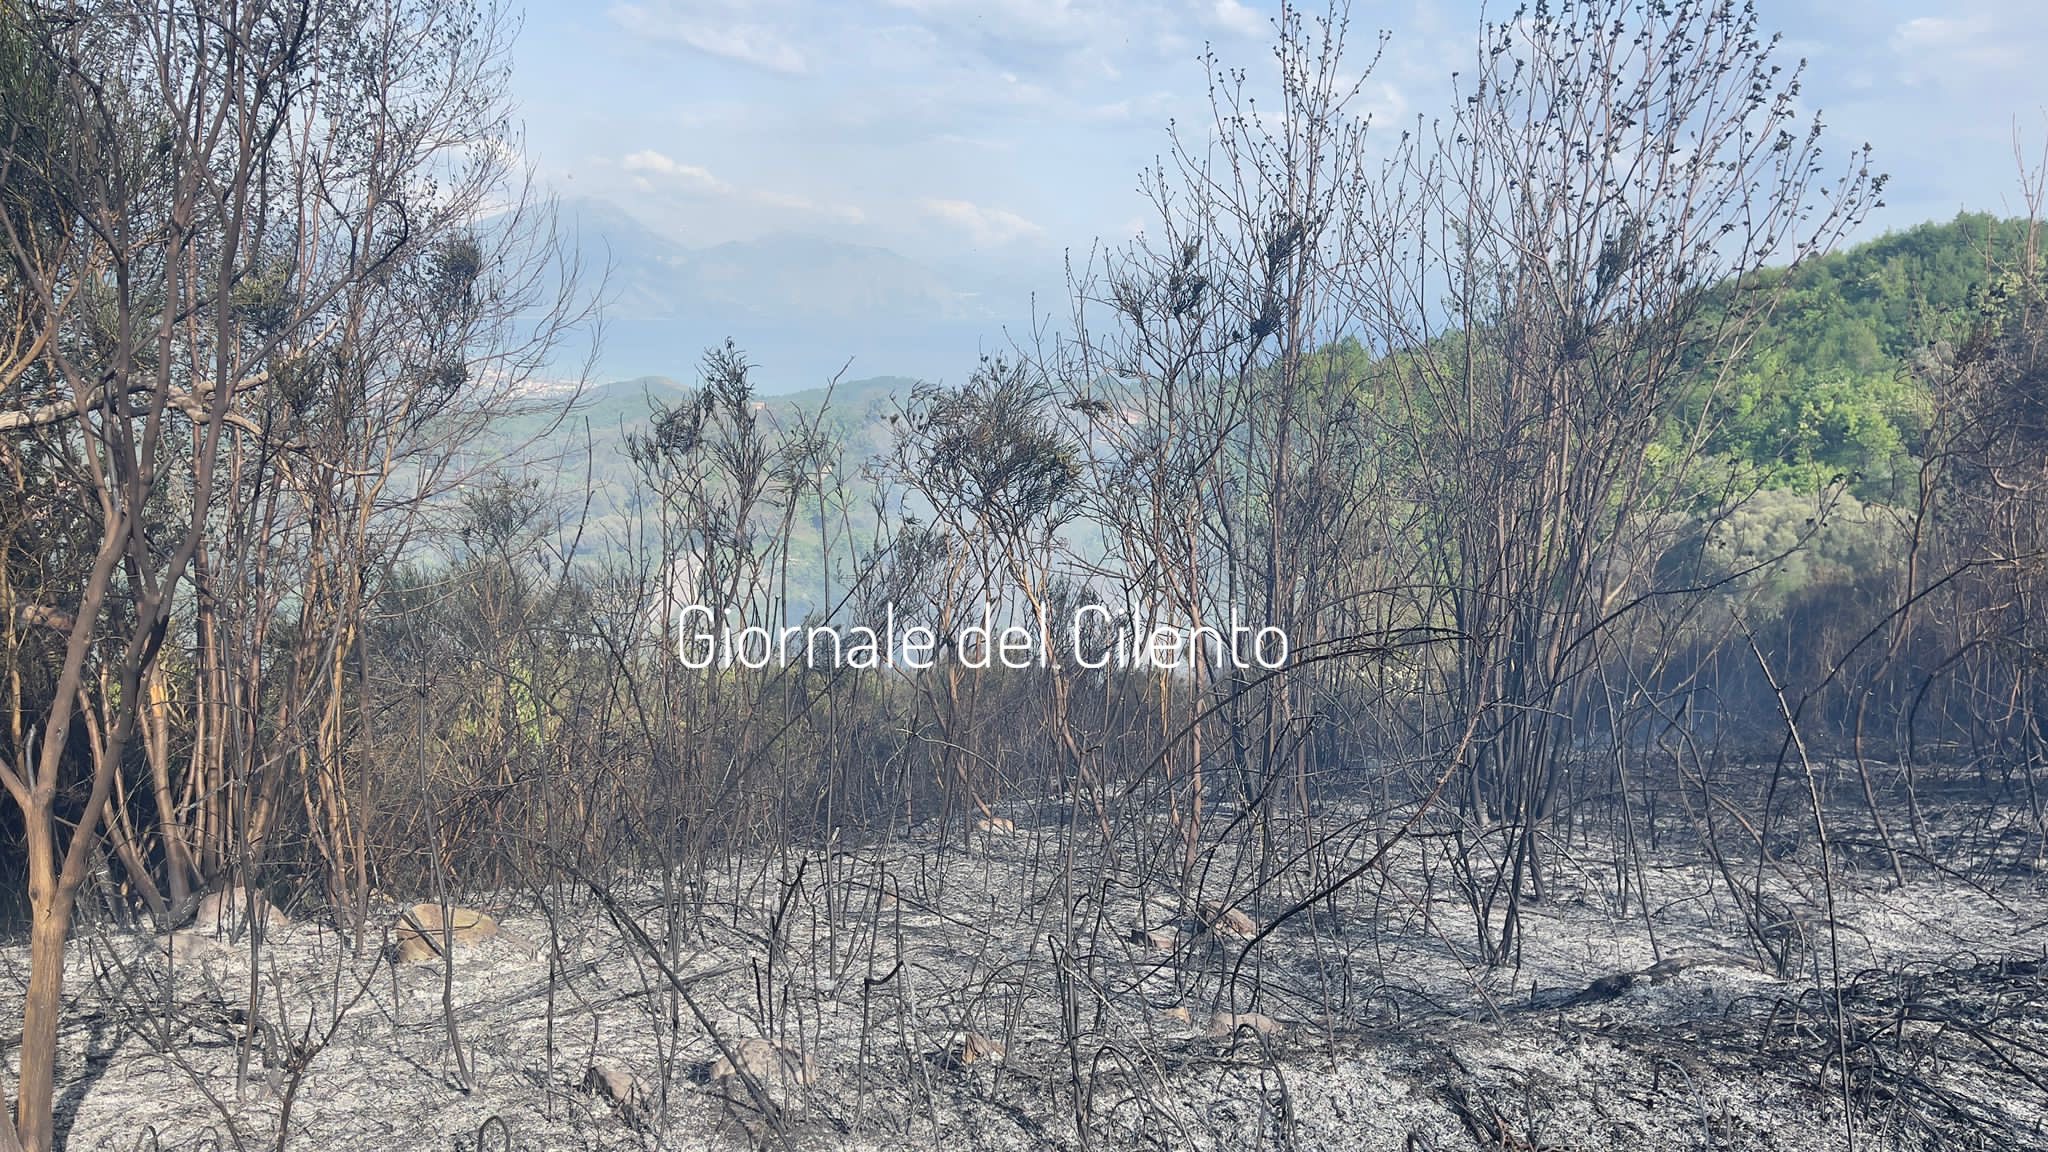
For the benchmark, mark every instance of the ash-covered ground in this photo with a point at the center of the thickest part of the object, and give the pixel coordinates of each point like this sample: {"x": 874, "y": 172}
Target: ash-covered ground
{"x": 1022, "y": 988}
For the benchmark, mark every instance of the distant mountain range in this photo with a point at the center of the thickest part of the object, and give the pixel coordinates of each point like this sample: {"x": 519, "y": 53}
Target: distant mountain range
{"x": 803, "y": 308}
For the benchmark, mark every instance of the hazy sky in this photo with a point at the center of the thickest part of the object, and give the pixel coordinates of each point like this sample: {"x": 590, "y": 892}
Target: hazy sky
{"x": 998, "y": 132}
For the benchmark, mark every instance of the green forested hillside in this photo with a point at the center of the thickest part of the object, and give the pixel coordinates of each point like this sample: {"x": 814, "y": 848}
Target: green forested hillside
{"x": 1824, "y": 390}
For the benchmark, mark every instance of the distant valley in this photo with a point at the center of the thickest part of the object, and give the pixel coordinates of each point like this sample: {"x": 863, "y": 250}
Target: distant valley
{"x": 804, "y": 308}
{"x": 575, "y": 452}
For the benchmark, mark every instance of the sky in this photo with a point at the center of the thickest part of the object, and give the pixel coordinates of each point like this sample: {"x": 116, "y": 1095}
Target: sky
{"x": 999, "y": 134}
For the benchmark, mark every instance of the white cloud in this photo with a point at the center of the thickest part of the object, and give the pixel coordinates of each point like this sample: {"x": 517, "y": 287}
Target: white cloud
{"x": 648, "y": 160}
{"x": 657, "y": 172}
{"x": 689, "y": 176}
{"x": 791, "y": 202}
{"x": 1957, "y": 48}
{"x": 716, "y": 33}
{"x": 1062, "y": 43}
{"x": 1234, "y": 17}
{"x": 1033, "y": 20}
{"x": 988, "y": 227}
{"x": 985, "y": 143}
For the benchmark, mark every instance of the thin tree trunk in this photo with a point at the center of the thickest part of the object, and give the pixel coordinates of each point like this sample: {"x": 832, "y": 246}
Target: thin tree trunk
{"x": 52, "y": 903}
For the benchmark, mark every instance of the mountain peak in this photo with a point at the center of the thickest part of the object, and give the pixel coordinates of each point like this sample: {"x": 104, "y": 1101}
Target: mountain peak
{"x": 800, "y": 305}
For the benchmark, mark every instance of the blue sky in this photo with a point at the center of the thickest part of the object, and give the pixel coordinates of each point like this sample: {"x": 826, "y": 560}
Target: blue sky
{"x": 996, "y": 134}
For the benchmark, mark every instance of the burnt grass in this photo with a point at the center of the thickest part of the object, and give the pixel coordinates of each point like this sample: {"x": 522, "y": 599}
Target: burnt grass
{"x": 1708, "y": 1000}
